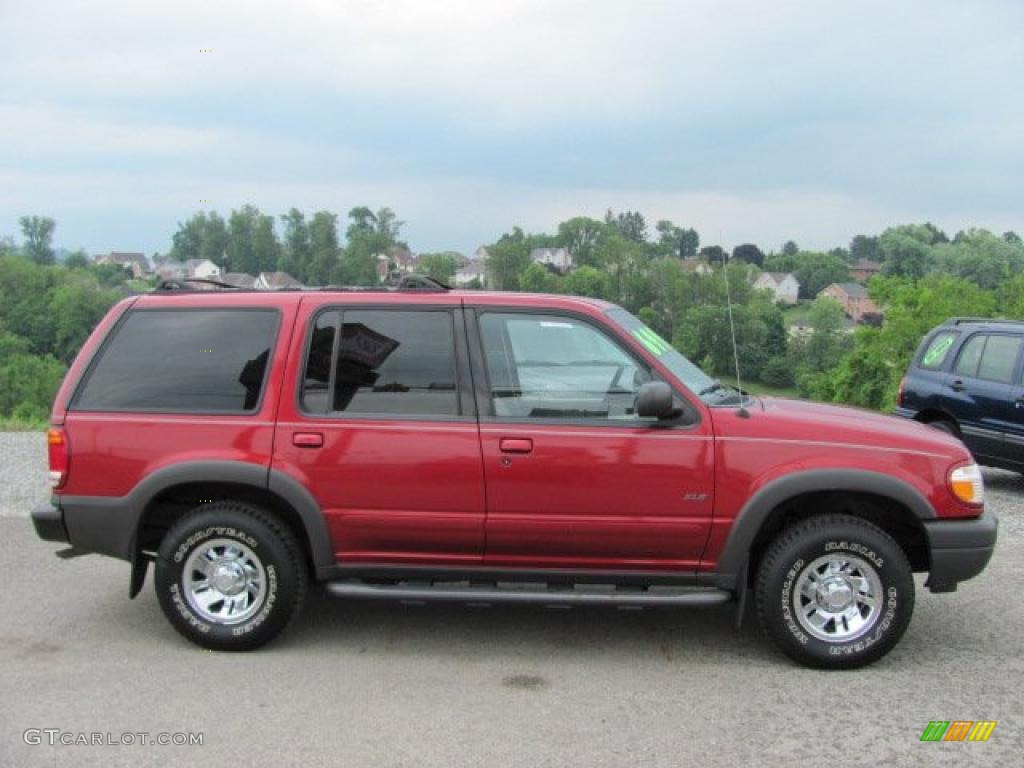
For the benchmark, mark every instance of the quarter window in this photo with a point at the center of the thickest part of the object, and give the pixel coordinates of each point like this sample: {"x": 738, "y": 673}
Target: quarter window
{"x": 182, "y": 360}
{"x": 554, "y": 367}
{"x": 938, "y": 350}
{"x": 382, "y": 362}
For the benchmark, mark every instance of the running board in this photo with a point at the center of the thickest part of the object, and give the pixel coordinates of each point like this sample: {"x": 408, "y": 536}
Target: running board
{"x": 533, "y": 594}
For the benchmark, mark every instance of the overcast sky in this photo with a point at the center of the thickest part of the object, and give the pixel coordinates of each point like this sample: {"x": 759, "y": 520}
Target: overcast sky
{"x": 750, "y": 121}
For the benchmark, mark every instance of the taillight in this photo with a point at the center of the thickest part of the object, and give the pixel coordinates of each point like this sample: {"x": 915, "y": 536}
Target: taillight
{"x": 57, "y": 447}
{"x": 902, "y": 392}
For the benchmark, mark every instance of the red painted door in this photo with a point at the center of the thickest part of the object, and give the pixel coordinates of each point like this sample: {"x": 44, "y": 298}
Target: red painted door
{"x": 574, "y": 477}
{"x": 383, "y": 433}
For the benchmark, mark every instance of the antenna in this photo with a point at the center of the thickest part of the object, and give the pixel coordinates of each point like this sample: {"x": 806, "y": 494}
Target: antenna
{"x": 732, "y": 329}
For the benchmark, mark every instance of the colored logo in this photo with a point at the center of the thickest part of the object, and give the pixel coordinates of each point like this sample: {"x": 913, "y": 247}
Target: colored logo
{"x": 958, "y": 730}
{"x": 654, "y": 344}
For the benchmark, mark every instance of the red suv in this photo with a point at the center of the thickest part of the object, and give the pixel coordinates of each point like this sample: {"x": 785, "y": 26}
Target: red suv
{"x": 422, "y": 443}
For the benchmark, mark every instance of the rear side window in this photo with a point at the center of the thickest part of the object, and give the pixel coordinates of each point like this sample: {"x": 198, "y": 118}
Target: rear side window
{"x": 937, "y": 351}
{"x": 999, "y": 358}
{"x": 991, "y": 357}
{"x": 385, "y": 362}
{"x": 182, "y": 360}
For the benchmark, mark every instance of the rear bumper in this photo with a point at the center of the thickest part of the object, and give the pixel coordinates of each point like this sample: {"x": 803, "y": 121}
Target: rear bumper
{"x": 49, "y": 523}
{"x": 960, "y": 549}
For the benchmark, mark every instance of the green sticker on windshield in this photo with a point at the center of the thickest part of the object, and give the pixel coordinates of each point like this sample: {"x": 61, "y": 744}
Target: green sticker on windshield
{"x": 937, "y": 351}
{"x": 652, "y": 342}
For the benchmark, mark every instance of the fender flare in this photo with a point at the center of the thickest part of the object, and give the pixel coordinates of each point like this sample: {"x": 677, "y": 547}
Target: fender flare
{"x": 110, "y": 526}
{"x": 758, "y": 507}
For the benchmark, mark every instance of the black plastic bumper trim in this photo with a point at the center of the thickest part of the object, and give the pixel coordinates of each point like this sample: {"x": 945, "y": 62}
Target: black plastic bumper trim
{"x": 960, "y": 549}
{"x": 49, "y": 523}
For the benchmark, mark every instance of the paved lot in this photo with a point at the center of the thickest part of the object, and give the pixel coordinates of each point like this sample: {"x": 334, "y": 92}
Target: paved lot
{"x": 376, "y": 685}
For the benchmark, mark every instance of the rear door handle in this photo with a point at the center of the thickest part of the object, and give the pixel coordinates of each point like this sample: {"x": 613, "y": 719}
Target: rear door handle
{"x": 307, "y": 439}
{"x": 516, "y": 445}
{"x": 957, "y": 386}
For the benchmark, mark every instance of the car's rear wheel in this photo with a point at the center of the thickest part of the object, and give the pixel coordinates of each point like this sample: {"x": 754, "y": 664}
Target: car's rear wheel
{"x": 230, "y": 576}
{"x": 835, "y": 592}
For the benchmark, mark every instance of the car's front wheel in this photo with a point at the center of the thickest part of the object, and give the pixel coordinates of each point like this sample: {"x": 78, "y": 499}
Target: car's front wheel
{"x": 230, "y": 576}
{"x": 835, "y": 592}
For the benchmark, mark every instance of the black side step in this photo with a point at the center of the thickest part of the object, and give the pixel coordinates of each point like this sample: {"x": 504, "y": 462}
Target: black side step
{"x": 532, "y": 593}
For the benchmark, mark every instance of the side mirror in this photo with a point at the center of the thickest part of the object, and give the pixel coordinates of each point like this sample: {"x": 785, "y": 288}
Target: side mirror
{"x": 654, "y": 400}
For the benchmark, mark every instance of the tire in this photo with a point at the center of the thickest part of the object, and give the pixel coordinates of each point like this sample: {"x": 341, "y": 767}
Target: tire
{"x": 230, "y": 576}
{"x": 834, "y": 592}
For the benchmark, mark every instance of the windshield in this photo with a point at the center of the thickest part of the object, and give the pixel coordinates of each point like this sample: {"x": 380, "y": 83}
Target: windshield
{"x": 710, "y": 390}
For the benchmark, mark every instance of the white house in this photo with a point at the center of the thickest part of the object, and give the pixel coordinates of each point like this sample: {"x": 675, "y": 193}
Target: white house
{"x": 201, "y": 268}
{"x": 784, "y": 286}
{"x": 556, "y": 258}
{"x": 475, "y": 270}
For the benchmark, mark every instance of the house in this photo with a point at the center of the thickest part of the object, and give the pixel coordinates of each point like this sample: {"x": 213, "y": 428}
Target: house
{"x": 696, "y": 266}
{"x": 171, "y": 270}
{"x": 275, "y": 280}
{"x": 203, "y": 269}
{"x": 474, "y": 271}
{"x": 853, "y": 298}
{"x": 557, "y": 259}
{"x": 135, "y": 263}
{"x": 864, "y": 270}
{"x": 784, "y": 286}
{"x": 238, "y": 279}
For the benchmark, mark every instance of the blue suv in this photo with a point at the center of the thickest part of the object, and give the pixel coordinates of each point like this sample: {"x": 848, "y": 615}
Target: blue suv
{"x": 966, "y": 379}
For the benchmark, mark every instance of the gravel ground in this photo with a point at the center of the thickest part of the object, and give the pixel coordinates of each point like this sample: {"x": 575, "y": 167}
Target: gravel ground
{"x": 358, "y": 684}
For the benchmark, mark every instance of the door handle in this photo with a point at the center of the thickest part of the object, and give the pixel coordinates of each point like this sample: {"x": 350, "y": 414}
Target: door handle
{"x": 957, "y": 386}
{"x": 307, "y": 439}
{"x": 515, "y": 445}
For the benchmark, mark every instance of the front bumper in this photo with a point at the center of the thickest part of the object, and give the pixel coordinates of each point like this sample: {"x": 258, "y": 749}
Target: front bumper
{"x": 49, "y": 523}
{"x": 960, "y": 549}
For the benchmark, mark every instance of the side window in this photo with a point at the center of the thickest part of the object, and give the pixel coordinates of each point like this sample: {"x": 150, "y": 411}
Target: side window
{"x": 999, "y": 359}
{"x": 382, "y": 362}
{"x": 182, "y": 361}
{"x": 547, "y": 366}
{"x": 938, "y": 350}
{"x": 970, "y": 356}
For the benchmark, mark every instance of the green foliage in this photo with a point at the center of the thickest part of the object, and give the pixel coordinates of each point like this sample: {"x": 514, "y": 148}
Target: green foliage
{"x": 203, "y": 236}
{"x": 440, "y": 266}
{"x": 38, "y": 232}
{"x": 869, "y": 375}
{"x": 813, "y": 270}
{"x": 28, "y": 382}
{"x": 778, "y": 372}
{"x": 582, "y": 236}
{"x": 507, "y": 259}
{"x": 628, "y": 224}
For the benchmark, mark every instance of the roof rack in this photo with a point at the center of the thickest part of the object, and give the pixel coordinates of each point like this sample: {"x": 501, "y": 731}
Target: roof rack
{"x": 180, "y": 284}
{"x": 408, "y": 284}
{"x": 968, "y": 320}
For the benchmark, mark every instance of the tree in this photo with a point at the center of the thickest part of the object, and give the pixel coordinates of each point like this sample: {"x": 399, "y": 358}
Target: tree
{"x": 297, "y": 252}
{"x": 587, "y": 281}
{"x": 203, "y": 236}
{"x": 537, "y": 278}
{"x": 790, "y": 248}
{"x": 440, "y": 266}
{"x": 906, "y": 251}
{"x": 507, "y": 259}
{"x": 38, "y": 232}
{"x": 689, "y": 243}
{"x": 629, "y": 224}
{"x": 1013, "y": 238}
{"x": 749, "y": 253}
{"x": 370, "y": 236}
{"x": 714, "y": 254}
{"x": 869, "y": 375}
{"x": 581, "y": 236}
{"x": 323, "y": 246}
{"x": 864, "y": 247}
{"x": 77, "y": 260}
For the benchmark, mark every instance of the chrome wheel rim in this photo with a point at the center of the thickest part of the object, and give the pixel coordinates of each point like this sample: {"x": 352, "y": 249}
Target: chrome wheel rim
{"x": 837, "y": 598}
{"x": 225, "y": 582}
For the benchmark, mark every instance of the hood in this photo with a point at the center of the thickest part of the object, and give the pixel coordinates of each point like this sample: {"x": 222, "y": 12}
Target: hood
{"x": 784, "y": 419}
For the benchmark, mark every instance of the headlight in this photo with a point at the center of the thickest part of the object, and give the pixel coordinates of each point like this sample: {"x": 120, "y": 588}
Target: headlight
{"x": 967, "y": 485}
